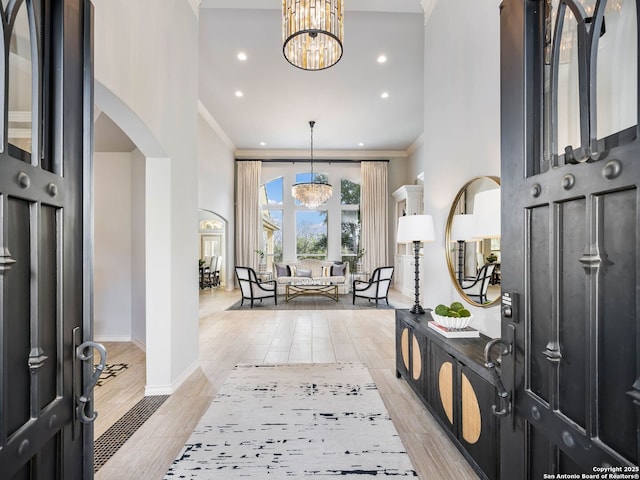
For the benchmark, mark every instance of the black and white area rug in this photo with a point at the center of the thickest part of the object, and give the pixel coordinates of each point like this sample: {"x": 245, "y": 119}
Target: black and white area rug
{"x": 295, "y": 421}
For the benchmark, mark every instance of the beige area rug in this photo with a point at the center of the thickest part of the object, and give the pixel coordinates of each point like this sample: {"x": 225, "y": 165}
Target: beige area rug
{"x": 310, "y": 421}
{"x": 313, "y": 302}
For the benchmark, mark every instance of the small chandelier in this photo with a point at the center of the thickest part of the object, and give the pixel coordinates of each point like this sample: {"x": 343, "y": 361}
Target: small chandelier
{"x": 312, "y": 32}
{"x": 314, "y": 192}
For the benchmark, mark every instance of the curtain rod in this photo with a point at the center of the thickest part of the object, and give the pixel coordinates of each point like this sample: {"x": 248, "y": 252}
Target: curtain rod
{"x": 303, "y": 160}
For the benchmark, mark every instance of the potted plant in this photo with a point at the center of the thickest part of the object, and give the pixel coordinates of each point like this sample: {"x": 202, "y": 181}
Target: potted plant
{"x": 492, "y": 258}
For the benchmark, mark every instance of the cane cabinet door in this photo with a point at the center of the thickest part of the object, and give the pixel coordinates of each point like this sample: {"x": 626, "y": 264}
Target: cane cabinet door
{"x": 463, "y": 402}
{"x": 411, "y": 353}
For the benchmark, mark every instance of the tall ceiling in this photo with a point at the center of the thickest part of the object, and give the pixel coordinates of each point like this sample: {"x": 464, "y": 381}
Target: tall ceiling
{"x": 345, "y": 100}
{"x": 271, "y": 118}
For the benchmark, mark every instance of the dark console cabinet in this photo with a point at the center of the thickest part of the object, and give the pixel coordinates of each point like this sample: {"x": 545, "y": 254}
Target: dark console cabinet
{"x": 449, "y": 376}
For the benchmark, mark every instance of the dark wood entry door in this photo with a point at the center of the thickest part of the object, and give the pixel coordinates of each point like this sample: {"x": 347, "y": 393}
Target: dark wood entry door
{"x": 45, "y": 281}
{"x": 571, "y": 237}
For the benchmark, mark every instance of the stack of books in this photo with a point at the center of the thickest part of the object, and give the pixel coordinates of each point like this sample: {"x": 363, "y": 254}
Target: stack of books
{"x": 466, "y": 332}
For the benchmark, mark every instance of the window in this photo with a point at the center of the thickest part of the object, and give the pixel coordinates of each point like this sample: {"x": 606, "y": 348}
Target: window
{"x": 350, "y": 237}
{"x": 271, "y": 193}
{"x": 272, "y": 236}
{"x": 311, "y": 234}
{"x": 350, "y": 221}
{"x": 292, "y": 232}
{"x": 349, "y": 192}
{"x": 271, "y": 198}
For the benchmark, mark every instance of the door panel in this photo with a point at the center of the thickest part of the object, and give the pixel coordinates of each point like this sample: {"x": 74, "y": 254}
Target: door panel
{"x": 538, "y": 232}
{"x": 571, "y": 170}
{"x": 572, "y": 290}
{"x": 45, "y": 218}
{"x": 16, "y": 315}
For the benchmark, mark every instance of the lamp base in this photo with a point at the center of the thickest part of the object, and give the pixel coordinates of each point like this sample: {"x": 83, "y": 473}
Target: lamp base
{"x": 417, "y": 309}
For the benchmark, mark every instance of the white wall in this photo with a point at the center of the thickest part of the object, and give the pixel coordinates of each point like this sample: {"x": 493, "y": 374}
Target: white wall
{"x": 216, "y": 186}
{"x": 146, "y": 65}
{"x": 415, "y": 164}
{"x": 138, "y": 240}
{"x": 113, "y": 248}
{"x": 462, "y": 125}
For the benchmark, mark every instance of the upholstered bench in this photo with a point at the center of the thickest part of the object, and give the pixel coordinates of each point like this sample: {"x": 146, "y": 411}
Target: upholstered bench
{"x": 317, "y": 270}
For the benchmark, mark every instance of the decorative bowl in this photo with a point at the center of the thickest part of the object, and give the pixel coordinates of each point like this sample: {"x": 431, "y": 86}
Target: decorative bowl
{"x": 451, "y": 322}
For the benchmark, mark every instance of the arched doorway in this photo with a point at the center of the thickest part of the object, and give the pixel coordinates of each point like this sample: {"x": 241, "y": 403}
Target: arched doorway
{"x": 212, "y": 230}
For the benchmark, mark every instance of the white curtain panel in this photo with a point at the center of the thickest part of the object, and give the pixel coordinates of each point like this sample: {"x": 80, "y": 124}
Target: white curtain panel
{"x": 248, "y": 218}
{"x": 374, "y": 214}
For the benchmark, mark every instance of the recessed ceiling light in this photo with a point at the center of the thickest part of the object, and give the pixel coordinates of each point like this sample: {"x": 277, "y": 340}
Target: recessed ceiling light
{"x": 382, "y": 58}
{"x": 384, "y": 95}
{"x": 242, "y": 56}
{"x": 239, "y": 93}
{"x": 262, "y": 144}
{"x": 361, "y": 144}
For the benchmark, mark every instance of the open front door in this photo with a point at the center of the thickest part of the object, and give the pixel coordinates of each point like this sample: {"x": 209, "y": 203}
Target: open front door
{"x": 571, "y": 237}
{"x": 45, "y": 239}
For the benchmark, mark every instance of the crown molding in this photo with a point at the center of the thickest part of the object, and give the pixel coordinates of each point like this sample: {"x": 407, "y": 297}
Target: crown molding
{"x": 415, "y": 145}
{"x": 320, "y": 154}
{"x": 427, "y": 6}
{"x": 195, "y": 6}
{"x": 207, "y": 117}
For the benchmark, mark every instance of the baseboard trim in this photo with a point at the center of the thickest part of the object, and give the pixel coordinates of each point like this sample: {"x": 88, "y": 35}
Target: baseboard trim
{"x": 150, "y": 390}
{"x": 109, "y": 338}
{"x": 139, "y": 344}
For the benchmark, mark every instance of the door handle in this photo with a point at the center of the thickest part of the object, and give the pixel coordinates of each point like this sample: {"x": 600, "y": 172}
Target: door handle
{"x": 503, "y": 395}
{"x": 84, "y": 353}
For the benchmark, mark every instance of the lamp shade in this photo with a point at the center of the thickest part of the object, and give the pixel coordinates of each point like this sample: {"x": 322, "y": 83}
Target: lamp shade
{"x": 462, "y": 227}
{"x": 415, "y": 228}
{"x": 486, "y": 210}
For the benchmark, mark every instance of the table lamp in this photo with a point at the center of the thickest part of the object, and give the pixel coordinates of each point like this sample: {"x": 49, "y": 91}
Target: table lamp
{"x": 462, "y": 229}
{"x": 416, "y": 229}
{"x": 486, "y": 211}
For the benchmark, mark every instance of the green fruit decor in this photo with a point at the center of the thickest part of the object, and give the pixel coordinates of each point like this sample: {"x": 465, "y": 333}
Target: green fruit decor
{"x": 455, "y": 310}
{"x": 456, "y": 306}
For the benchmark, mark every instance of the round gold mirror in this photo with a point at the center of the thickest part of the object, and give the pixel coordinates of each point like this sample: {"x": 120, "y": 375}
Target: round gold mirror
{"x": 472, "y": 239}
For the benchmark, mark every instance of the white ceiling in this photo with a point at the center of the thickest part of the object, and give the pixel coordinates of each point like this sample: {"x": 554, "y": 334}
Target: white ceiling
{"x": 344, "y": 100}
{"x": 279, "y": 99}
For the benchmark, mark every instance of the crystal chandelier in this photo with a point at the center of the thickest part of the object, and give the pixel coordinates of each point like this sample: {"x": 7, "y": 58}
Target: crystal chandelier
{"x": 314, "y": 192}
{"x": 312, "y": 32}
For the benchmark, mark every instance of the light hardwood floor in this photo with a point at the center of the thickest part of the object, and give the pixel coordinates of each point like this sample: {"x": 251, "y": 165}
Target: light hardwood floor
{"x": 231, "y": 337}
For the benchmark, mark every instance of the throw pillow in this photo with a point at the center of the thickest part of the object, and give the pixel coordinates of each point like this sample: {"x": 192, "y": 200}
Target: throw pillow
{"x": 338, "y": 270}
{"x": 282, "y": 271}
{"x": 326, "y": 270}
{"x": 304, "y": 273}
{"x": 292, "y": 270}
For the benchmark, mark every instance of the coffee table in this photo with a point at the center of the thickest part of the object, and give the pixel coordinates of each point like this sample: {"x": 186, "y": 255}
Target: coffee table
{"x": 325, "y": 289}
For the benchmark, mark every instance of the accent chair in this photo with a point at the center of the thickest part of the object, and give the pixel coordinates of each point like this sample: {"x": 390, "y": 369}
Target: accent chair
{"x": 478, "y": 287}
{"x": 376, "y": 288}
{"x": 254, "y": 289}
